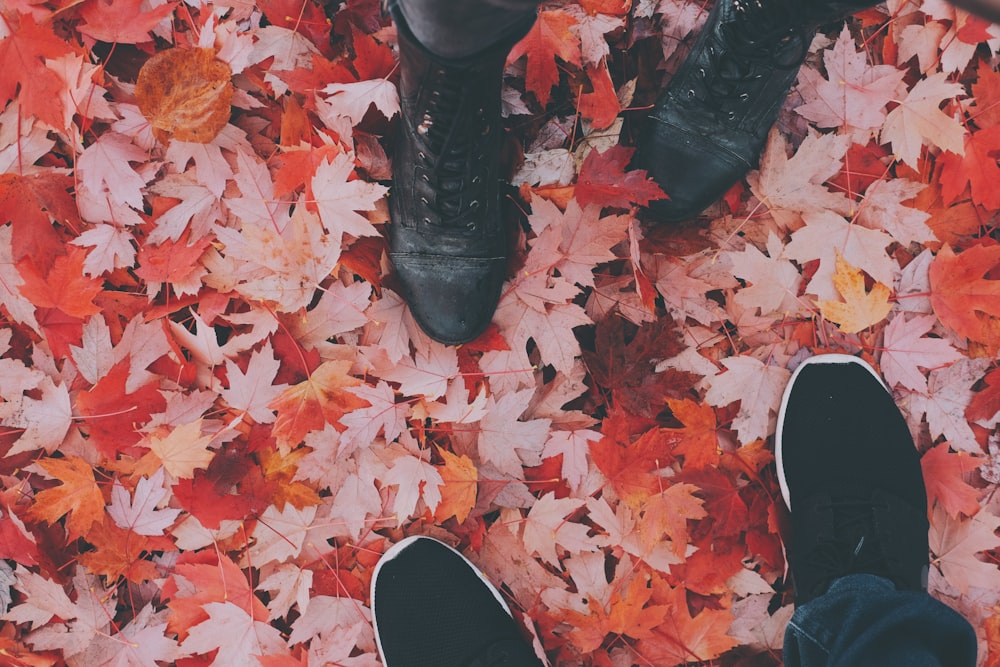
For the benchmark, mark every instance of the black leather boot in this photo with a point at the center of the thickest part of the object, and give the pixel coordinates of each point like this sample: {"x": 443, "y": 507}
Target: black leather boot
{"x": 710, "y": 123}
{"x": 446, "y": 236}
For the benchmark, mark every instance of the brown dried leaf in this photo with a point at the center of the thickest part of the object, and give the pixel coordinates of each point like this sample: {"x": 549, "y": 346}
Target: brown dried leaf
{"x": 185, "y": 94}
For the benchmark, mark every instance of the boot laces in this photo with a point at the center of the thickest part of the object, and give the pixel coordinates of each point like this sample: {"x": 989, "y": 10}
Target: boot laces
{"x": 452, "y": 133}
{"x": 764, "y": 36}
{"x": 855, "y": 546}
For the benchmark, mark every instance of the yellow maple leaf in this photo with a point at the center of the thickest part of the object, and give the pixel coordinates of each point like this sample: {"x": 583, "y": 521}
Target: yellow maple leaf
{"x": 458, "y": 495}
{"x": 183, "y": 450}
{"x": 859, "y": 309}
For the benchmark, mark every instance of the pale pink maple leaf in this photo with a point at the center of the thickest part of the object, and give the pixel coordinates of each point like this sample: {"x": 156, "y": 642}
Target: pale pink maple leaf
{"x": 505, "y": 441}
{"x": 258, "y": 206}
{"x": 918, "y": 120}
{"x": 949, "y": 391}
{"x": 591, "y": 29}
{"x": 954, "y": 544}
{"x": 457, "y": 408}
{"x": 237, "y": 636}
{"x": 139, "y": 513}
{"x": 252, "y": 392}
{"x": 339, "y": 199}
{"x": 414, "y": 479}
{"x": 575, "y": 452}
{"x": 824, "y": 236}
{"x": 772, "y": 281}
{"x": 103, "y": 167}
{"x": 854, "y": 94}
{"x": 547, "y": 525}
{"x": 906, "y": 350}
{"x": 383, "y": 415}
{"x": 113, "y": 248}
{"x": 352, "y": 100}
{"x": 44, "y": 421}
{"x": 341, "y": 309}
{"x": 425, "y": 374}
{"x": 758, "y": 388}
{"x": 198, "y": 208}
{"x": 883, "y": 209}
{"x": 41, "y": 599}
{"x": 790, "y": 186}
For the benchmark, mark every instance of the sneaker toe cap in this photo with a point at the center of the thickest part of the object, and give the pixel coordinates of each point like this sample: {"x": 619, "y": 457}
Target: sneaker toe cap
{"x": 691, "y": 167}
{"x": 451, "y": 298}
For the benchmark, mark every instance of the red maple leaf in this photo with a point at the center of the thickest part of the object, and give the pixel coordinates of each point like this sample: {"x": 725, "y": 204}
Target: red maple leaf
{"x": 23, "y": 55}
{"x": 31, "y": 204}
{"x": 121, "y": 21}
{"x": 977, "y": 169}
{"x": 963, "y": 298}
{"x": 113, "y": 415}
{"x": 985, "y": 403}
{"x": 550, "y": 37}
{"x": 603, "y": 180}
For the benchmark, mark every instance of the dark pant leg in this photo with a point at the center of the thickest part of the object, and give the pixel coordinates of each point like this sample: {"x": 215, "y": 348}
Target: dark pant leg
{"x": 863, "y": 621}
{"x": 459, "y": 28}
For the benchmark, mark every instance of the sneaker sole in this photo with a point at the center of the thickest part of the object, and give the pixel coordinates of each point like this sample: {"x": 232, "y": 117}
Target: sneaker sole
{"x": 398, "y": 548}
{"x": 818, "y": 359}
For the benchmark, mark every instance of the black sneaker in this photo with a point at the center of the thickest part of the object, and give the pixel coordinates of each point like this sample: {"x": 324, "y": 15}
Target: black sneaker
{"x": 433, "y": 608}
{"x": 446, "y": 235}
{"x": 710, "y": 123}
{"x": 851, "y": 476}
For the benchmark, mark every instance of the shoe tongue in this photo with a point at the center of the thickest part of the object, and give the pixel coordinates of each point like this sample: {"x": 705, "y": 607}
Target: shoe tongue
{"x": 506, "y": 653}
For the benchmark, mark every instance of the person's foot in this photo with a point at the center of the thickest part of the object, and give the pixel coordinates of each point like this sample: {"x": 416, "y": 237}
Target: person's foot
{"x": 851, "y": 476}
{"x": 433, "y": 608}
{"x": 709, "y": 125}
{"x": 446, "y": 236}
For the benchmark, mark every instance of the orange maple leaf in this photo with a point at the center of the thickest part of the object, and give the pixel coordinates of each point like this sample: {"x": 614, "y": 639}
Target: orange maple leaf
{"x": 78, "y": 496}
{"x": 549, "y": 37}
{"x": 628, "y": 614}
{"x": 64, "y": 286}
{"x": 308, "y": 405}
{"x": 700, "y": 442}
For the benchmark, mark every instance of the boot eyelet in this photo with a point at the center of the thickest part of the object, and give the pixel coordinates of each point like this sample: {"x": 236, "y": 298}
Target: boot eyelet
{"x": 691, "y": 93}
{"x": 423, "y": 200}
{"x": 744, "y": 97}
{"x": 701, "y": 72}
{"x": 476, "y": 180}
{"x": 731, "y": 115}
{"x": 474, "y": 204}
{"x": 425, "y": 178}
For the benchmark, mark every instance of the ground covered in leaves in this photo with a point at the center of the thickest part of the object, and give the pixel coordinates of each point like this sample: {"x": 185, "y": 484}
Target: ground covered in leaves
{"x": 217, "y": 412}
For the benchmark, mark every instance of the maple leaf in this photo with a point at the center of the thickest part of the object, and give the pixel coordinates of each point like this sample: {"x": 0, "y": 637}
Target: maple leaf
{"x": 906, "y": 349}
{"x": 954, "y": 544}
{"x": 121, "y": 21}
{"x": 414, "y": 479}
{"x": 943, "y": 475}
{"x": 63, "y": 286}
{"x": 604, "y": 180}
{"x": 773, "y": 281}
{"x": 200, "y": 578}
{"x": 547, "y": 525}
{"x": 139, "y": 513}
{"x": 549, "y": 37}
{"x": 352, "y": 100}
{"x": 601, "y": 105}
{"x": 977, "y": 169}
{"x": 790, "y": 186}
{"x": 572, "y": 446}
{"x": 252, "y": 392}
{"x": 78, "y": 495}
{"x": 684, "y": 637}
{"x": 113, "y": 414}
{"x": 458, "y": 494}
{"x": 919, "y": 119}
{"x": 183, "y": 450}
{"x": 628, "y": 613}
{"x": 699, "y": 442}
{"x": 665, "y": 515}
{"x": 104, "y": 169}
{"x": 45, "y": 420}
{"x": 507, "y": 442}
{"x": 883, "y": 209}
{"x": 860, "y": 309}
{"x": 30, "y": 203}
{"x": 338, "y": 198}
{"x": 573, "y": 242}
{"x": 827, "y": 236}
{"x": 23, "y": 50}
{"x": 238, "y": 639}
{"x": 963, "y": 298}
{"x": 854, "y": 94}
{"x": 949, "y": 392}
{"x": 310, "y": 404}
{"x": 758, "y": 387}
{"x": 986, "y": 403}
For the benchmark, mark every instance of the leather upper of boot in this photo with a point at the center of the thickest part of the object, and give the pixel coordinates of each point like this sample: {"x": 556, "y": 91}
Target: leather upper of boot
{"x": 446, "y": 235}
{"x": 710, "y": 123}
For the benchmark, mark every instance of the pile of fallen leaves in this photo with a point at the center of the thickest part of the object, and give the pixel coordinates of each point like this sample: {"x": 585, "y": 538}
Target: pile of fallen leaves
{"x": 217, "y": 412}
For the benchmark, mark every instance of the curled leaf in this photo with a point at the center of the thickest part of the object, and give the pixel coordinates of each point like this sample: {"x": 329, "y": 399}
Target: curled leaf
{"x": 185, "y": 94}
